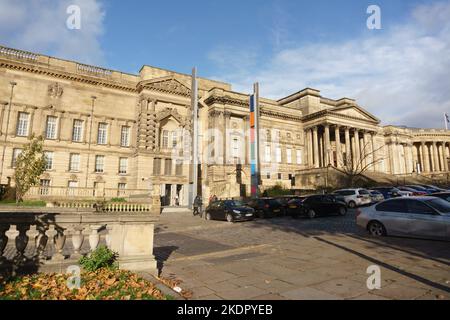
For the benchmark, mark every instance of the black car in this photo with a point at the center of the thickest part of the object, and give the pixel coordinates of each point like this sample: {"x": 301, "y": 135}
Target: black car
{"x": 442, "y": 195}
{"x": 229, "y": 210}
{"x": 284, "y": 200}
{"x": 266, "y": 207}
{"x": 317, "y": 205}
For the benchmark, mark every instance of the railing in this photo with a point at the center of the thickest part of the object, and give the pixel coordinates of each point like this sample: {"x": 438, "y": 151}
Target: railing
{"x": 83, "y": 193}
{"x": 108, "y": 207}
{"x": 97, "y": 71}
{"x": 18, "y": 54}
{"x": 50, "y": 240}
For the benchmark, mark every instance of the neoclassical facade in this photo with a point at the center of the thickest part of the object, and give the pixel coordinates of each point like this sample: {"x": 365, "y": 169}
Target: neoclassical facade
{"x": 109, "y": 133}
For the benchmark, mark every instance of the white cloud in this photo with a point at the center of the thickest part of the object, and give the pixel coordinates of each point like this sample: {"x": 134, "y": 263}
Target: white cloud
{"x": 401, "y": 74}
{"x": 40, "y": 26}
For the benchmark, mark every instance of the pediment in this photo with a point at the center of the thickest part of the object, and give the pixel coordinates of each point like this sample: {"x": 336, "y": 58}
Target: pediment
{"x": 355, "y": 112}
{"x": 170, "y": 113}
{"x": 167, "y": 84}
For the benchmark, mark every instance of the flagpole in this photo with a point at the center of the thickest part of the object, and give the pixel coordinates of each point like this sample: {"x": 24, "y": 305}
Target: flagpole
{"x": 446, "y": 121}
{"x": 194, "y": 105}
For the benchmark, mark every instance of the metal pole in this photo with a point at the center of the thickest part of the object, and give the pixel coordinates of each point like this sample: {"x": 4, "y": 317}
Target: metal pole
{"x": 195, "y": 160}
{"x": 258, "y": 164}
{"x": 89, "y": 142}
{"x": 13, "y": 84}
{"x": 446, "y": 121}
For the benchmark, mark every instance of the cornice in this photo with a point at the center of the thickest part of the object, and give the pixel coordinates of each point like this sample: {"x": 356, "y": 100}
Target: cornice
{"x": 338, "y": 115}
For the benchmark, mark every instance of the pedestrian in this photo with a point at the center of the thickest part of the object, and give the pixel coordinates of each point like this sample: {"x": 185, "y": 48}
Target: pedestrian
{"x": 197, "y": 205}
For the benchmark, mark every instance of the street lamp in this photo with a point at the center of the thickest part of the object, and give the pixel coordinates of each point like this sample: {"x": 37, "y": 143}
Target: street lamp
{"x": 13, "y": 84}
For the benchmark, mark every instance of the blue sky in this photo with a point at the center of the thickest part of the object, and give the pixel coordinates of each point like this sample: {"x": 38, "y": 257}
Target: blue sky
{"x": 399, "y": 73}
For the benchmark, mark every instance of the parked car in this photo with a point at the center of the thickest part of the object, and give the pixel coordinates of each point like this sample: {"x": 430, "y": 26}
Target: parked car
{"x": 376, "y": 196}
{"x": 412, "y": 191}
{"x": 354, "y": 197}
{"x": 423, "y": 217}
{"x": 284, "y": 200}
{"x": 419, "y": 188}
{"x": 388, "y": 192}
{"x": 435, "y": 188}
{"x": 443, "y": 195}
{"x": 229, "y": 210}
{"x": 266, "y": 207}
{"x": 316, "y": 205}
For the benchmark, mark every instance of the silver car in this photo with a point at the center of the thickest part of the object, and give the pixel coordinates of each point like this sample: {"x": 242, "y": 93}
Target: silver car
{"x": 422, "y": 217}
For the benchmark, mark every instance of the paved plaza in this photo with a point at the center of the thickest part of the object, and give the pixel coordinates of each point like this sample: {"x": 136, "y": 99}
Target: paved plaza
{"x": 282, "y": 258}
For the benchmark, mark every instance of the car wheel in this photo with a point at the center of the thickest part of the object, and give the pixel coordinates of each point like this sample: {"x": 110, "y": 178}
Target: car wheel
{"x": 208, "y": 216}
{"x": 311, "y": 214}
{"x": 342, "y": 211}
{"x": 376, "y": 229}
{"x": 352, "y": 204}
{"x": 230, "y": 217}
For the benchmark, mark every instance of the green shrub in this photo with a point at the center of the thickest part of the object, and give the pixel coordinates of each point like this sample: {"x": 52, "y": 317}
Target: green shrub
{"x": 118, "y": 200}
{"x": 102, "y": 257}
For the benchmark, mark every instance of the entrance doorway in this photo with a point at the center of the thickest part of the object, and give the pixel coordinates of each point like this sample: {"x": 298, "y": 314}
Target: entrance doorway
{"x": 173, "y": 195}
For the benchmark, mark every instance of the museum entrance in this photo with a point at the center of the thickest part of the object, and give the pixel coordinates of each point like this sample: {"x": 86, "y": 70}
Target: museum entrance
{"x": 174, "y": 195}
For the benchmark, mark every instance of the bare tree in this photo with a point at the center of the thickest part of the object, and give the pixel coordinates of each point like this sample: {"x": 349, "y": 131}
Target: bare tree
{"x": 355, "y": 165}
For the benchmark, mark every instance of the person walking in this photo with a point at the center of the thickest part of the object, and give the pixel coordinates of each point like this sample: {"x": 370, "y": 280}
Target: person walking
{"x": 198, "y": 206}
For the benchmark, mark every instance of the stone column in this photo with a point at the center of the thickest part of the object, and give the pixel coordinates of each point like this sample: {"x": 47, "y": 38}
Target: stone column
{"x": 444, "y": 156}
{"x": 310, "y": 148}
{"x": 347, "y": 145}
{"x": 426, "y": 156}
{"x": 366, "y": 150}
{"x": 321, "y": 158}
{"x": 392, "y": 157}
{"x": 374, "y": 153}
{"x": 357, "y": 159}
{"x": 226, "y": 142}
{"x": 434, "y": 157}
{"x": 327, "y": 147}
{"x": 316, "y": 147}
{"x": 440, "y": 157}
{"x": 338, "y": 146}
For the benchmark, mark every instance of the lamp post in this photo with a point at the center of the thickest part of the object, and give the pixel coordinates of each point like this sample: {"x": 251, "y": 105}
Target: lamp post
{"x": 13, "y": 84}
{"x": 89, "y": 141}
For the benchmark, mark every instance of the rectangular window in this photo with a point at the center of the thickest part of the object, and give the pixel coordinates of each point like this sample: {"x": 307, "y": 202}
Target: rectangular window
{"x": 156, "y": 167}
{"x": 174, "y": 139}
{"x": 102, "y": 133}
{"x": 289, "y": 156}
{"x": 72, "y": 186}
{"x": 179, "y": 168}
{"x": 123, "y": 165}
{"x": 278, "y": 154}
{"x": 22, "y": 124}
{"x": 235, "y": 148}
{"x": 49, "y": 157}
{"x": 15, "y": 155}
{"x": 168, "y": 167}
{"x": 125, "y": 136}
{"x": 50, "y": 131}
{"x": 268, "y": 175}
{"x": 99, "y": 164}
{"x": 77, "y": 133}
{"x": 299, "y": 156}
{"x": 165, "y": 139}
{"x": 44, "y": 186}
{"x": 280, "y": 176}
{"x": 121, "y": 187}
{"x": 267, "y": 155}
{"x": 74, "y": 162}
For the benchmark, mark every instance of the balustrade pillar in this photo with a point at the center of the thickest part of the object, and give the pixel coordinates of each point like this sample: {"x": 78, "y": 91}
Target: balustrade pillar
{"x": 94, "y": 237}
{"x": 59, "y": 240}
{"x": 3, "y": 241}
{"x": 77, "y": 241}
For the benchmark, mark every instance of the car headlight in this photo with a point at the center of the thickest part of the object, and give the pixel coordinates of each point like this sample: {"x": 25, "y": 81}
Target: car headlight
{"x": 236, "y": 211}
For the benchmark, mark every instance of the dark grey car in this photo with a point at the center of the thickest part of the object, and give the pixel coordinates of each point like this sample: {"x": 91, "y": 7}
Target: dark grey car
{"x": 422, "y": 217}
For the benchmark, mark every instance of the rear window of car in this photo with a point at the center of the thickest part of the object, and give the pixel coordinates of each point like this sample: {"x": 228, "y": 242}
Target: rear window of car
{"x": 345, "y": 192}
{"x": 439, "y": 204}
{"x": 363, "y": 192}
{"x": 392, "y": 206}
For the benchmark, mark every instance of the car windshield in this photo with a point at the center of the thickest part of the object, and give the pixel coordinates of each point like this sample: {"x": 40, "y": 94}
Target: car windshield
{"x": 418, "y": 188}
{"x": 439, "y": 204}
{"x": 363, "y": 192}
{"x": 235, "y": 203}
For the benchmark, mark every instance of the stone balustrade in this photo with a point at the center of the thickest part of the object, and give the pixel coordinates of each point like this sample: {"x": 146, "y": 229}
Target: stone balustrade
{"x": 51, "y": 239}
{"x": 18, "y": 54}
{"x": 83, "y": 193}
{"x": 84, "y": 68}
{"x": 108, "y": 207}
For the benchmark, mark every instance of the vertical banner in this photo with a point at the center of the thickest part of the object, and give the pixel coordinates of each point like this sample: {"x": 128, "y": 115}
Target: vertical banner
{"x": 254, "y": 141}
{"x": 195, "y": 149}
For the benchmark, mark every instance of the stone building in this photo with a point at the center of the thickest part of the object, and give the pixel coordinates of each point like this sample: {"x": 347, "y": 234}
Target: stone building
{"x": 113, "y": 134}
